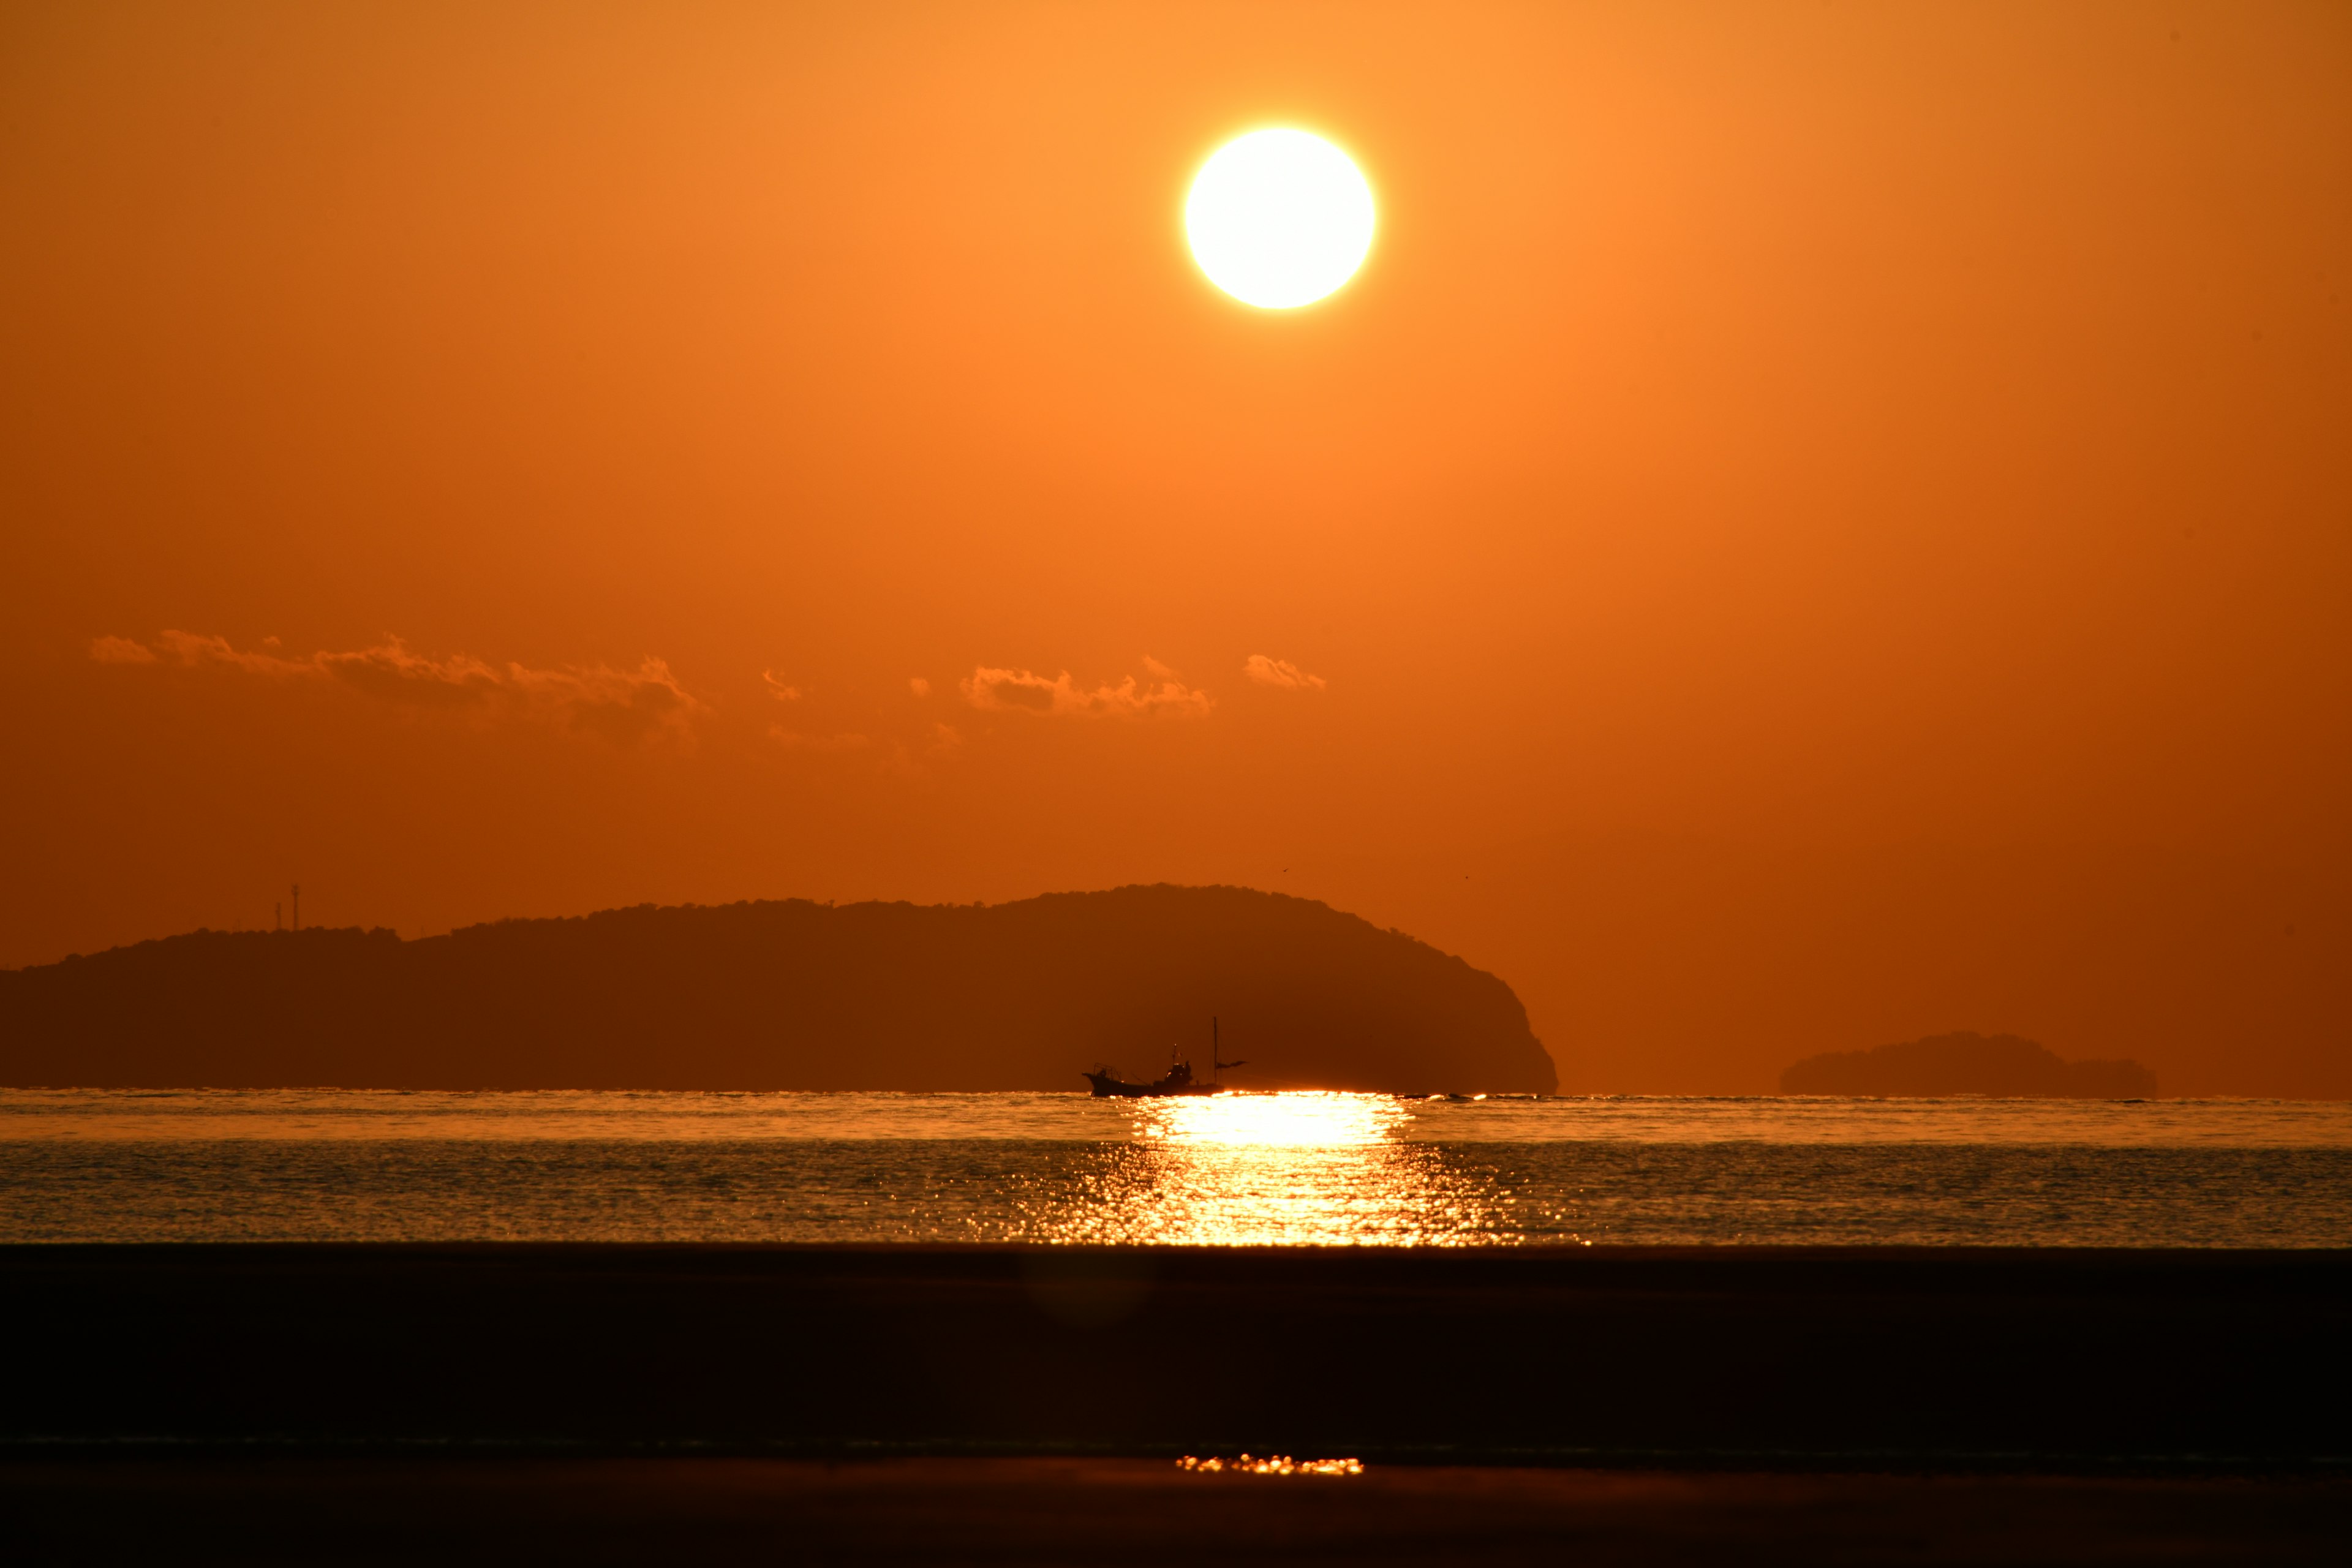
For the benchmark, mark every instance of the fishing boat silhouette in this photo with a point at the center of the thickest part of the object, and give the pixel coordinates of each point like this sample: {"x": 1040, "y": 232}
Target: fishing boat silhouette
{"x": 1179, "y": 1078}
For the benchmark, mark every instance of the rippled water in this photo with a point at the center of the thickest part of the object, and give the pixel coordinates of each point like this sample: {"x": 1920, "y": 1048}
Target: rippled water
{"x": 1235, "y": 1169}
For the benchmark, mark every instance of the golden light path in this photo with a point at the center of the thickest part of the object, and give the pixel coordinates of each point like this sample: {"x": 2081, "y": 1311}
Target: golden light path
{"x": 1315, "y": 1169}
{"x": 1280, "y": 218}
{"x": 1272, "y": 1121}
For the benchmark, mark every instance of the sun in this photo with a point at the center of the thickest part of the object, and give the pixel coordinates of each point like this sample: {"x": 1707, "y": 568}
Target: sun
{"x": 1280, "y": 218}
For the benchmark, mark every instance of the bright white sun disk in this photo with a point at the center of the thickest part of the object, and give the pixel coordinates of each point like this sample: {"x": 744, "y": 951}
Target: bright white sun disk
{"x": 1280, "y": 218}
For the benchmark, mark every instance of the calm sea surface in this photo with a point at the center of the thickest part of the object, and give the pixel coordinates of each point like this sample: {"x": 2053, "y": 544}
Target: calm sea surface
{"x": 123, "y": 1165}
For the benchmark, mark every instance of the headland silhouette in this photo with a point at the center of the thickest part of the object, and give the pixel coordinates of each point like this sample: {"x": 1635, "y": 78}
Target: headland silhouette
{"x": 785, "y": 995}
{"x": 1967, "y": 1063}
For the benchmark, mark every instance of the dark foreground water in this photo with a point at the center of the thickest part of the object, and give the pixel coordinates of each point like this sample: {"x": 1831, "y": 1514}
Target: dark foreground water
{"x": 1238, "y": 1168}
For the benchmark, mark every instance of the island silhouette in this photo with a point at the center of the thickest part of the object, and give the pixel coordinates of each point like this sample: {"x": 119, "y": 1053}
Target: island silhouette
{"x": 1967, "y": 1063}
{"x": 785, "y": 995}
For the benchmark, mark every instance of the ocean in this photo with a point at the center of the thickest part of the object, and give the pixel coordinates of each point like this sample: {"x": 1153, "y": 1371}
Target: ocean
{"x": 1314, "y": 1169}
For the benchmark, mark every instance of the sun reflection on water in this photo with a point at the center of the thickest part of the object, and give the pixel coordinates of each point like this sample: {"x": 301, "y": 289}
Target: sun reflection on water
{"x": 1263, "y": 1168}
{"x": 1272, "y": 1121}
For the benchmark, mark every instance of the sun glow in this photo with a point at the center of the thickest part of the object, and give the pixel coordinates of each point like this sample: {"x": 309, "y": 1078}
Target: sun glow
{"x": 1273, "y": 1121}
{"x": 1280, "y": 218}
{"x": 1312, "y": 1169}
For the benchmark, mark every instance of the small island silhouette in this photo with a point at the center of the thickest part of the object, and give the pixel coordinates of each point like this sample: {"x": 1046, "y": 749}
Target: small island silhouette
{"x": 1967, "y": 1063}
{"x": 785, "y": 995}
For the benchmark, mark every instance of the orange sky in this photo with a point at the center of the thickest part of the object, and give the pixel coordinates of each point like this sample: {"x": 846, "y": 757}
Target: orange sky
{"x": 1817, "y": 523}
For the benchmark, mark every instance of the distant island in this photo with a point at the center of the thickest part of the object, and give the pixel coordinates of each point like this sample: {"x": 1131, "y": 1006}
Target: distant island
{"x": 2000, "y": 1065}
{"x": 785, "y": 995}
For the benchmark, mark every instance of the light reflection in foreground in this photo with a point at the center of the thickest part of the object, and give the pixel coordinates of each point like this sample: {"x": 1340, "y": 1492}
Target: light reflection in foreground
{"x": 1272, "y": 1465}
{"x": 1237, "y": 1170}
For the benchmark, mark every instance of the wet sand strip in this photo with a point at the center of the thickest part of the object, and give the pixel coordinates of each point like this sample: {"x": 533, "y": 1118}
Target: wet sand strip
{"x": 1138, "y": 1512}
{"x": 1996, "y": 1361}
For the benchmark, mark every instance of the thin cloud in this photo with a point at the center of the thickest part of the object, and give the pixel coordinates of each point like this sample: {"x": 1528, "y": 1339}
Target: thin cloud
{"x": 777, "y": 689}
{"x": 1280, "y": 672}
{"x": 620, "y": 704}
{"x": 121, "y": 651}
{"x": 918, "y": 685}
{"x": 1022, "y": 690}
{"x": 187, "y": 648}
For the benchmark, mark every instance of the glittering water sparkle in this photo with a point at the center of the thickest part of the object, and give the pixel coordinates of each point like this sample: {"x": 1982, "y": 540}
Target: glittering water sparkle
{"x": 1312, "y": 1169}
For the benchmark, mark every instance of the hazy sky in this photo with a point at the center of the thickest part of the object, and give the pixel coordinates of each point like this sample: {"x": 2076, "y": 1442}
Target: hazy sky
{"x": 1816, "y": 523}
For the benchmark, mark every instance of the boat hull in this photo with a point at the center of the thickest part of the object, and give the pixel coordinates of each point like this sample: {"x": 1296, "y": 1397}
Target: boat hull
{"x": 1109, "y": 1087}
